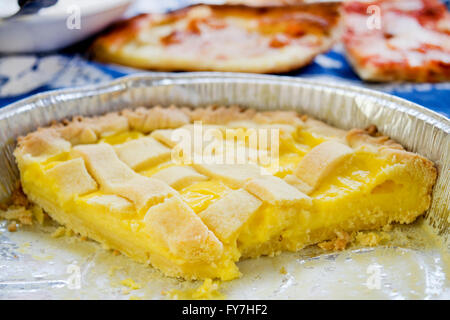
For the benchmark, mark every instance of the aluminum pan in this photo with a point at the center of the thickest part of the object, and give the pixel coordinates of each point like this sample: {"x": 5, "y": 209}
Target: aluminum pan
{"x": 417, "y": 128}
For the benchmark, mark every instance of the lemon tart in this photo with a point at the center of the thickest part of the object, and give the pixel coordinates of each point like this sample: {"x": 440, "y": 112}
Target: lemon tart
{"x": 193, "y": 191}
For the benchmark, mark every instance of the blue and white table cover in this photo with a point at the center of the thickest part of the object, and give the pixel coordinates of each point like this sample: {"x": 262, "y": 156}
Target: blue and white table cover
{"x": 24, "y": 75}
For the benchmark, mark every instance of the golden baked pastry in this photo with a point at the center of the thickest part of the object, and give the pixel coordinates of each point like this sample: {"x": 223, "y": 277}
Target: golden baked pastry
{"x": 223, "y": 38}
{"x": 127, "y": 181}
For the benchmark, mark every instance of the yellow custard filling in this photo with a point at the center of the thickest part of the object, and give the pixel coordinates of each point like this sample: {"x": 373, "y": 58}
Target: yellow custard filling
{"x": 202, "y": 194}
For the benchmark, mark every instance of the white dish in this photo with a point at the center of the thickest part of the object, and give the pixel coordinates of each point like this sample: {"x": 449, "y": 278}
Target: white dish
{"x": 56, "y": 27}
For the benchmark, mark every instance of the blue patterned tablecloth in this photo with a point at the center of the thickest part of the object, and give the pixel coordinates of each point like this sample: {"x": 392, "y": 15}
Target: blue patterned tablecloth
{"x": 24, "y": 75}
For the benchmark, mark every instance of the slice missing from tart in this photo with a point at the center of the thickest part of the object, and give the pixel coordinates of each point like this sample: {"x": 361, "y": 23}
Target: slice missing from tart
{"x": 125, "y": 180}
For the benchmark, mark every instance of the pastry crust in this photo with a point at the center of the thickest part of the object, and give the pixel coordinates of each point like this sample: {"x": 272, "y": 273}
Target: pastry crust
{"x": 321, "y": 161}
{"x": 226, "y": 216}
{"x": 223, "y": 38}
{"x": 186, "y": 236}
{"x": 277, "y": 191}
{"x": 410, "y": 44}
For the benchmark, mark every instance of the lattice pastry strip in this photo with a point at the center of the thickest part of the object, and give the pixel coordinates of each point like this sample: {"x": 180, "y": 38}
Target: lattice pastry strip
{"x": 226, "y": 216}
{"x": 179, "y": 228}
{"x": 179, "y": 177}
{"x": 116, "y": 177}
{"x": 72, "y": 178}
{"x": 143, "y": 152}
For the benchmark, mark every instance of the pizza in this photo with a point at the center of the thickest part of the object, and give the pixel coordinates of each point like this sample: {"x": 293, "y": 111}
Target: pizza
{"x": 405, "y": 40}
{"x": 223, "y": 38}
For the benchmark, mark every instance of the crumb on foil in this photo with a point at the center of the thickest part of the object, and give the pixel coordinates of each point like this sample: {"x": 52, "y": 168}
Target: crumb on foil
{"x": 130, "y": 283}
{"x": 17, "y": 213}
{"x": 338, "y": 244}
{"x": 20, "y": 210}
{"x": 371, "y": 239}
{"x": 208, "y": 290}
{"x": 363, "y": 238}
{"x": 12, "y": 226}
